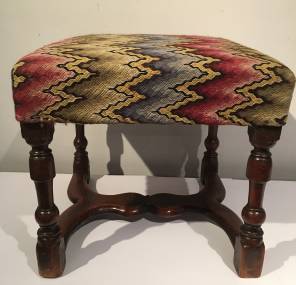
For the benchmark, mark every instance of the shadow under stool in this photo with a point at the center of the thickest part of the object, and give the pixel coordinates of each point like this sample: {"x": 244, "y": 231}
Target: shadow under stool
{"x": 150, "y": 79}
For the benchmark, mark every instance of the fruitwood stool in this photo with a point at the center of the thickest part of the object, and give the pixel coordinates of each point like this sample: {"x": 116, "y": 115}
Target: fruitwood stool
{"x": 155, "y": 79}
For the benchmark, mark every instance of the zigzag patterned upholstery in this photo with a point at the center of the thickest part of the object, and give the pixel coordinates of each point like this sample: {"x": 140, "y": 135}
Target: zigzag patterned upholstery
{"x": 159, "y": 79}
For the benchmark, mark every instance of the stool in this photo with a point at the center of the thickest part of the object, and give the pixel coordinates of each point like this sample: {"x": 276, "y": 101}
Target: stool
{"x": 155, "y": 79}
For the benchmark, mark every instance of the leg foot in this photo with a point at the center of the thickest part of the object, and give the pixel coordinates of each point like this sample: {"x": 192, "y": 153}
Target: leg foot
{"x": 248, "y": 260}
{"x": 51, "y": 257}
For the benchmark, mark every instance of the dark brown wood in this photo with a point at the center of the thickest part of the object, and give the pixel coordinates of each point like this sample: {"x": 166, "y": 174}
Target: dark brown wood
{"x": 249, "y": 247}
{"x": 134, "y": 206}
{"x": 81, "y": 162}
{"x": 55, "y": 230}
{"x": 50, "y": 247}
{"x": 209, "y": 166}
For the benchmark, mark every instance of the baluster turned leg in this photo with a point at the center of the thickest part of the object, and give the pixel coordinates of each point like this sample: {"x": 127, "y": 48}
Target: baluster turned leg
{"x": 77, "y": 187}
{"x": 50, "y": 246}
{"x": 81, "y": 162}
{"x": 209, "y": 166}
{"x": 250, "y": 249}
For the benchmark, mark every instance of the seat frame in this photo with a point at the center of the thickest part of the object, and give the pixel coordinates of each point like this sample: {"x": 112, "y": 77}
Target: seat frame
{"x": 55, "y": 229}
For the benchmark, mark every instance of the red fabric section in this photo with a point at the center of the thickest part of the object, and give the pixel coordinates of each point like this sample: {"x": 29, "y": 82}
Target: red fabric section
{"x": 219, "y": 93}
{"x": 41, "y": 72}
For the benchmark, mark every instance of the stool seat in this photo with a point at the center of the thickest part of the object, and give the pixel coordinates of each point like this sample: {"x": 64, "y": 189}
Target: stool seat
{"x": 160, "y": 79}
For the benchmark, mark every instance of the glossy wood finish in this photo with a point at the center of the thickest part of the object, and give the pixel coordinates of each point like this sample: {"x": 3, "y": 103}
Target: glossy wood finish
{"x": 50, "y": 246}
{"x": 133, "y": 206}
{"x": 55, "y": 230}
{"x": 209, "y": 166}
{"x": 81, "y": 162}
{"x": 249, "y": 248}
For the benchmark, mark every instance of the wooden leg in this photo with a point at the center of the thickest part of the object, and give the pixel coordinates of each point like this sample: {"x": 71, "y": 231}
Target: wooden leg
{"x": 81, "y": 171}
{"x": 56, "y": 229}
{"x": 249, "y": 247}
{"x": 81, "y": 162}
{"x": 209, "y": 166}
{"x": 50, "y": 246}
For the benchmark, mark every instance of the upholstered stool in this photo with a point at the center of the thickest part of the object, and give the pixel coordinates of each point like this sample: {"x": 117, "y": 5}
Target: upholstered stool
{"x": 155, "y": 79}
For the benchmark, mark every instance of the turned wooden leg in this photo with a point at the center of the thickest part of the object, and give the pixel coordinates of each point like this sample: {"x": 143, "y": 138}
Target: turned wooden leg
{"x": 209, "y": 166}
{"x": 249, "y": 247}
{"x": 50, "y": 246}
{"x": 81, "y": 172}
{"x": 81, "y": 162}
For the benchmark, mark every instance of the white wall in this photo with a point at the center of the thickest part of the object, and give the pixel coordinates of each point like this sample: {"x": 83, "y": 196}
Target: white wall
{"x": 267, "y": 25}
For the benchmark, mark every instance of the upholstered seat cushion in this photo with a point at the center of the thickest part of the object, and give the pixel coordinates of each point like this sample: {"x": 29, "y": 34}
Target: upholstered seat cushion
{"x": 151, "y": 79}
